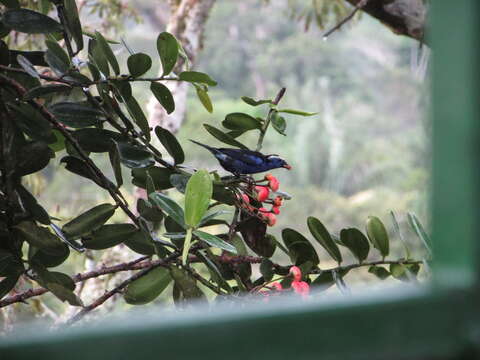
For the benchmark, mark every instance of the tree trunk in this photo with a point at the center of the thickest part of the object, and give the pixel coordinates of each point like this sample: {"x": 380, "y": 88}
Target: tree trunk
{"x": 404, "y": 17}
{"x": 187, "y": 22}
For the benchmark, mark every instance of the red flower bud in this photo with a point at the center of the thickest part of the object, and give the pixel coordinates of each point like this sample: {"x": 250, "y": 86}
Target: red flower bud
{"x": 278, "y": 201}
{"x": 271, "y": 219}
{"x": 274, "y": 184}
{"x": 301, "y": 288}
{"x": 276, "y": 210}
{"x": 268, "y": 176}
{"x": 263, "y": 210}
{"x": 296, "y": 272}
{"x": 262, "y": 193}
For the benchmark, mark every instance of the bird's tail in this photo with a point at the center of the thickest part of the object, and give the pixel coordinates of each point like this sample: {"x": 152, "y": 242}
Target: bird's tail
{"x": 203, "y": 145}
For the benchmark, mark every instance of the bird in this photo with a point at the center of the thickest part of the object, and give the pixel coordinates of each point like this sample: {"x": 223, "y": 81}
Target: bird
{"x": 243, "y": 162}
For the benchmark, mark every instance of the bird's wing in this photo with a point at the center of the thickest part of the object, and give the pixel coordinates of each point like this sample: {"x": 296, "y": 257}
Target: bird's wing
{"x": 246, "y": 156}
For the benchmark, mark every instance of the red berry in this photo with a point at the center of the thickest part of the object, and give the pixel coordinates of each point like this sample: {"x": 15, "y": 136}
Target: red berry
{"x": 301, "y": 287}
{"x": 274, "y": 184}
{"x": 262, "y": 193}
{"x": 278, "y": 201}
{"x": 271, "y": 219}
{"x": 276, "y": 210}
{"x": 263, "y": 210}
{"x": 296, "y": 272}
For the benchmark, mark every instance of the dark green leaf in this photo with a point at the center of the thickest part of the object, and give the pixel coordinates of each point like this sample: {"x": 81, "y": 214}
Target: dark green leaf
{"x": 148, "y": 211}
{"x": 266, "y": 269}
{"x": 75, "y": 26}
{"x": 134, "y": 157}
{"x": 30, "y": 22}
{"x": 33, "y": 157}
{"x": 215, "y": 241}
{"x": 29, "y": 202}
{"x": 32, "y": 123}
{"x": 12, "y": 4}
{"x": 89, "y": 220}
{"x": 27, "y": 66}
{"x": 254, "y": 102}
{"x": 39, "y": 256}
{"x": 140, "y": 243}
{"x": 138, "y": 115}
{"x": 160, "y": 176}
{"x": 164, "y": 96}
{"x": 76, "y": 115}
{"x": 241, "y": 121}
{"x": 379, "y": 271}
{"x": 202, "y": 95}
{"x": 297, "y": 112}
{"x": 98, "y": 58}
{"x": 57, "y": 50}
{"x": 197, "y": 77}
{"x": 70, "y": 242}
{"x": 186, "y": 283}
{"x": 80, "y": 167}
{"x": 58, "y": 66}
{"x": 300, "y": 249}
{"x": 279, "y": 123}
{"x": 148, "y": 287}
{"x": 108, "y": 236}
{"x": 96, "y": 140}
{"x": 321, "y": 234}
{"x": 35, "y": 57}
{"x": 197, "y": 197}
{"x": 64, "y": 294}
{"x": 169, "y": 206}
{"x": 356, "y": 242}
{"x": 39, "y": 236}
{"x": 107, "y": 52}
{"x": 171, "y": 144}
{"x": 45, "y": 90}
{"x": 167, "y": 47}
{"x": 8, "y": 284}
{"x": 138, "y": 64}
{"x": 223, "y": 137}
{"x": 378, "y": 236}
{"x": 114, "y": 157}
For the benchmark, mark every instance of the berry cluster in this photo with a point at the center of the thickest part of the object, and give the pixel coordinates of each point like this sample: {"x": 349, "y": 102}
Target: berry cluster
{"x": 299, "y": 287}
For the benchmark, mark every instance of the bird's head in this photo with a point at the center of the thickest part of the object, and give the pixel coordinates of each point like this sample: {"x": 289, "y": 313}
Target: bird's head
{"x": 277, "y": 162}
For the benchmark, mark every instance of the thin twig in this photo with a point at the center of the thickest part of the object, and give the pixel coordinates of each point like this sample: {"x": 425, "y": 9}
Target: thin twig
{"x": 263, "y": 131}
{"x": 358, "y": 7}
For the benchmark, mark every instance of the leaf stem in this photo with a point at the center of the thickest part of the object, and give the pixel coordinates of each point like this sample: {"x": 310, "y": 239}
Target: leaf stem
{"x": 272, "y": 110}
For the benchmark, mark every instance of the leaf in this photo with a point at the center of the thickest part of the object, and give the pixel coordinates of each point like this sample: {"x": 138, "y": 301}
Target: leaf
{"x": 30, "y": 22}
{"x": 379, "y": 271}
{"x": 420, "y": 231}
{"x": 75, "y": 26}
{"x": 377, "y": 234}
{"x": 160, "y": 176}
{"x": 59, "y": 67}
{"x": 32, "y": 123}
{"x": 134, "y": 157}
{"x": 39, "y": 237}
{"x": 7, "y": 284}
{"x": 89, "y": 220}
{"x": 241, "y": 121}
{"x": 279, "y": 123}
{"x": 266, "y": 269}
{"x": 76, "y": 115}
{"x": 30, "y": 204}
{"x": 139, "y": 116}
{"x": 215, "y": 241}
{"x": 326, "y": 279}
{"x": 164, "y": 96}
{"x": 138, "y": 64}
{"x": 202, "y": 95}
{"x": 396, "y": 226}
{"x": 148, "y": 287}
{"x": 169, "y": 206}
{"x": 148, "y": 211}
{"x": 46, "y": 90}
{"x": 297, "y": 112}
{"x": 13, "y": 4}
{"x": 404, "y": 272}
{"x": 96, "y": 140}
{"x": 114, "y": 157}
{"x": 140, "y": 243}
{"x": 186, "y": 283}
{"x": 215, "y": 273}
{"x": 356, "y": 242}
{"x": 97, "y": 56}
{"x": 223, "y": 137}
{"x": 27, "y": 66}
{"x": 34, "y": 156}
{"x": 80, "y": 167}
{"x": 254, "y": 102}
{"x": 39, "y": 256}
{"x": 321, "y": 234}
{"x": 187, "y": 244}
{"x": 61, "y": 54}
{"x": 197, "y": 197}
{"x": 107, "y": 52}
{"x": 64, "y": 294}
{"x": 196, "y": 77}
{"x": 72, "y": 243}
{"x": 171, "y": 144}
{"x": 300, "y": 249}
{"x": 167, "y": 47}
{"x": 109, "y": 235}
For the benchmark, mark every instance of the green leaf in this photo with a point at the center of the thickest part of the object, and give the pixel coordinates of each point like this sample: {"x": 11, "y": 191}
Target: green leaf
{"x": 197, "y": 77}
{"x": 30, "y": 22}
{"x": 108, "y": 236}
{"x": 59, "y": 67}
{"x": 197, "y": 197}
{"x": 134, "y": 157}
{"x": 164, "y": 96}
{"x": 170, "y": 207}
{"x": 254, "y": 102}
{"x": 107, "y": 52}
{"x": 39, "y": 237}
{"x": 241, "y": 121}
{"x": 160, "y": 176}
{"x": 202, "y": 95}
{"x": 148, "y": 211}
{"x": 378, "y": 236}
{"x": 138, "y": 64}
{"x": 356, "y": 242}
{"x": 76, "y": 115}
{"x": 12, "y": 4}
{"x": 223, "y": 137}
{"x": 8, "y": 284}
{"x": 267, "y": 270}
{"x": 187, "y": 244}
{"x": 420, "y": 231}
{"x": 167, "y": 47}
{"x": 300, "y": 249}
{"x": 34, "y": 156}
{"x": 27, "y": 66}
{"x": 32, "y": 123}
{"x": 72, "y": 243}
{"x": 39, "y": 256}
{"x": 404, "y": 272}
{"x": 79, "y": 167}
{"x": 297, "y": 112}
{"x": 171, "y": 144}
{"x": 46, "y": 90}
{"x": 114, "y": 157}
{"x": 61, "y": 54}
{"x": 96, "y": 140}
{"x": 75, "y": 26}
{"x": 148, "y": 287}
{"x": 140, "y": 243}
{"x": 64, "y": 294}
{"x": 279, "y": 123}
{"x": 396, "y": 226}
{"x": 139, "y": 116}
{"x": 186, "y": 284}
{"x": 97, "y": 56}
{"x": 215, "y": 241}
{"x": 321, "y": 234}
{"x": 379, "y": 271}
{"x": 89, "y": 220}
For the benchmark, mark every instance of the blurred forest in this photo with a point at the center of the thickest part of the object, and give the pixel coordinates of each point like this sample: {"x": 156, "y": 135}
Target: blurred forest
{"x": 365, "y": 153}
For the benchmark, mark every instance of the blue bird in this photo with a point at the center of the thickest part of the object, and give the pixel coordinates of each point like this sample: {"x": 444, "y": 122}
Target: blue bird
{"x": 240, "y": 161}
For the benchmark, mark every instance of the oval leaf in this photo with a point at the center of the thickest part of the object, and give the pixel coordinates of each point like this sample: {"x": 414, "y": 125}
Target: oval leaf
{"x": 76, "y": 115}
{"x": 138, "y": 64}
{"x": 30, "y": 22}
{"x": 167, "y": 47}
{"x": 148, "y": 287}
{"x": 223, "y": 137}
{"x": 164, "y": 96}
{"x": 88, "y": 221}
{"x": 300, "y": 249}
{"x": 108, "y": 236}
{"x": 378, "y": 236}
{"x": 241, "y": 121}
{"x": 356, "y": 242}
{"x": 197, "y": 197}
{"x": 171, "y": 144}
{"x": 107, "y": 52}
{"x": 197, "y": 77}
{"x": 134, "y": 157}
{"x": 215, "y": 241}
{"x": 169, "y": 206}
{"x": 321, "y": 234}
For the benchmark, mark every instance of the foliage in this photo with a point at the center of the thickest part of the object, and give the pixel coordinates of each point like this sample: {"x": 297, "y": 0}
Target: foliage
{"x": 57, "y": 103}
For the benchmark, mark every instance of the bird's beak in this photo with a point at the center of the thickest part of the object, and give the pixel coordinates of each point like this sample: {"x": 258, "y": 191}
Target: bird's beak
{"x": 286, "y": 166}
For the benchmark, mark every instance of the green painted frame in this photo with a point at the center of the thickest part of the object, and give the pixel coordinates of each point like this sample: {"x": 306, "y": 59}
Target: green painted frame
{"x": 440, "y": 322}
